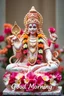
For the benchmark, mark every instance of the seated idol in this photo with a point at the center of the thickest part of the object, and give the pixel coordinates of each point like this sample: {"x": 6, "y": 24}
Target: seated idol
{"x": 31, "y": 49}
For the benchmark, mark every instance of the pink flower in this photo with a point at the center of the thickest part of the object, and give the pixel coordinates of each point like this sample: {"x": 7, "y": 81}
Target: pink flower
{"x": 28, "y": 64}
{"x": 56, "y": 45}
{"x": 7, "y": 28}
{"x": 48, "y": 74}
{"x": 40, "y": 56}
{"x": 12, "y": 80}
{"x": 12, "y": 77}
{"x": 13, "y": 74}
{"x": 7, "y": 31}
{"x": 32, "y": 81}
{"x": 38, "y": 61}
{"x": 25, "y": 51}
{"x": 1, "y": 38}
{"x": 31, "y": 85}
{"x": 58, "y": 76}
{"x": 21, "y": 32}
{"x": 52, "y": 30}
{"x": 31, "y": 75}
{"x": 40, "y": 81}
{"x": 22, "y": 81}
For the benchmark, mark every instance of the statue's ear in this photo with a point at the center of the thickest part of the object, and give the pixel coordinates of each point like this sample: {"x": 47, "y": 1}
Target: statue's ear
{"x": 26, "y": 31}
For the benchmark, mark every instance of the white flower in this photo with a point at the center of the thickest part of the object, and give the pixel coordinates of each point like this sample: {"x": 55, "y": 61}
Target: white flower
{"x": 26, "y": 80}
{"x": 20, "y": 75}
{"x": 45, "y": 78}
{"x": 53, "y": 83}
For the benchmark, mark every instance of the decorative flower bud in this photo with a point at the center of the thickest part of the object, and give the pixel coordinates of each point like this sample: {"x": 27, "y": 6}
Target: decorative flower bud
{"x": 1, "y": 38}
{"x": 52, "y": 30}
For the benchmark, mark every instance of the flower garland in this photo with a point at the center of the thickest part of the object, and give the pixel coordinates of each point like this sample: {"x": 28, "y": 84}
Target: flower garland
{"x": 25, "y": 44}
{"x": 40, "y": 47}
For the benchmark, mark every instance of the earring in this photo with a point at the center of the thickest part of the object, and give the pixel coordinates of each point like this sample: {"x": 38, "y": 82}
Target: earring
{"x": 39, "y": 31}
{"x": 26, "y": 31}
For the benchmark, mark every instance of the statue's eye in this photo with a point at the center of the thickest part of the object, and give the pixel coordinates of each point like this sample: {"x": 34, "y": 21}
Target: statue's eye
{"x": 30, "y": 26}
{"x": 34, "y": 26}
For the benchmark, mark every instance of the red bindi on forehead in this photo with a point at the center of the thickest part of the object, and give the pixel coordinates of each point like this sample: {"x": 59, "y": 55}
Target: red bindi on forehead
{"x": 34, "y": 24}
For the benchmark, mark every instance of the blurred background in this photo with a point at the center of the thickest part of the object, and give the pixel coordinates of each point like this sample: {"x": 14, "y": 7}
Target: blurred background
{"x": 15, "y": 10}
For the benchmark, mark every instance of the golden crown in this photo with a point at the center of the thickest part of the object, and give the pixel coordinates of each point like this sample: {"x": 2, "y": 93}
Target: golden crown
{"x": 33, "y": 16}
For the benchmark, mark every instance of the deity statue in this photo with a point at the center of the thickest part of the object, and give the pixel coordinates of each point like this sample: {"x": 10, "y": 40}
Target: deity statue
{"x": 32, "y": 46}
{"x": 34, "y": 62}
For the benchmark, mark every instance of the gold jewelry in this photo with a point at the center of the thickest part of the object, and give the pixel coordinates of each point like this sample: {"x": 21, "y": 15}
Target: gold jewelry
{"x": 32, "y": 45}
{"x": 33, "y": 16}
{"x": 16, "y": 29}
{"x": 32, "y": 61}
{"x": 33, "y": 49}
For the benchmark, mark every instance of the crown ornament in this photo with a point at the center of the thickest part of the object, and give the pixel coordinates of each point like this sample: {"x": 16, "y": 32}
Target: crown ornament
{"x": 33, "y": 16}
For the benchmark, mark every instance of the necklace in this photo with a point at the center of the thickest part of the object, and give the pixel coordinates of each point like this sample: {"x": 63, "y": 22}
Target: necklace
{"x": 32, "y": 45}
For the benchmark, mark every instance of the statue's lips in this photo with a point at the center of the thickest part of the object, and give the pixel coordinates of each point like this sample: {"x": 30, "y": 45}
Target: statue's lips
{"x": 32, "y": 31}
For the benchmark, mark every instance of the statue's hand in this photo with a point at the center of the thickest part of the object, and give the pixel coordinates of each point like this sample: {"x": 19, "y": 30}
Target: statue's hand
{"x": 16, "y": 42}
{"x": 53, "y": 36}
{"x": 14, "y": 39}
{"x": 51, "y": 62}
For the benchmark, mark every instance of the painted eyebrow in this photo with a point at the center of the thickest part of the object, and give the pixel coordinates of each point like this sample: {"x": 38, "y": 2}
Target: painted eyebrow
{"x": 30, "y": 24}
{"x": 34, "y": 24}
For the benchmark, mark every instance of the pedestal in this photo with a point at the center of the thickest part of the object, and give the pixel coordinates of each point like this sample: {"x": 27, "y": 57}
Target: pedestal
{"x": 57, "y": 92}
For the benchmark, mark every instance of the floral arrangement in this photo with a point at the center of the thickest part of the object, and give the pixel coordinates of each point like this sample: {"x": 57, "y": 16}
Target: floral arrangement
{"x": 5, "y": 52}
{"x": 32, "y": 81}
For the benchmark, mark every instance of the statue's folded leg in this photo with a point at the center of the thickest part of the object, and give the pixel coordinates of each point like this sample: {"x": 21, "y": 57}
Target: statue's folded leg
{"x": 16, "y": 67}
{"x": 45, "y": 68}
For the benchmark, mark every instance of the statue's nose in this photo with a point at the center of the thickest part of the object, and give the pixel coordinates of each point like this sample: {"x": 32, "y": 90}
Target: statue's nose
{"x": 32, "y": 29}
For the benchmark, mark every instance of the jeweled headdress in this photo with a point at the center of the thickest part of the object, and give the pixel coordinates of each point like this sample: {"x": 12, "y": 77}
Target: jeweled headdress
{"x": 33, "y": 16}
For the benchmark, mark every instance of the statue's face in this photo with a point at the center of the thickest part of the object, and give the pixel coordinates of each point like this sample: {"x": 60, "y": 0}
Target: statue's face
{"x": 32, "y": 28}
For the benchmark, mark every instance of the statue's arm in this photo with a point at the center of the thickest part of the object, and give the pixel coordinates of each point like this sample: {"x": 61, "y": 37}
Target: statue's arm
{"x": 17, "y": 49}
{"x": 48, "y": 56}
